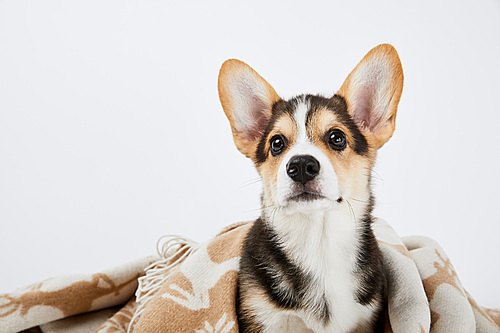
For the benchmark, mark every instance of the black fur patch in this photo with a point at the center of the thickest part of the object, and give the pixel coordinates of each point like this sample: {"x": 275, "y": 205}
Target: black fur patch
{"x": 369, "y": 267}
{"x": 265, "y": 265}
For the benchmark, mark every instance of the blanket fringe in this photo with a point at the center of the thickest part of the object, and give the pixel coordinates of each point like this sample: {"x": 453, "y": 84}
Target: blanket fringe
{"x": 174, "y": 250}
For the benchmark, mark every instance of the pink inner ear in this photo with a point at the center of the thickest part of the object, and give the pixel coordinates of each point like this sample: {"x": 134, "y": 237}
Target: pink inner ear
{"x": 365, "y": 114}
{"x": 259, "y": 120}
{"x": 371, "y": 102}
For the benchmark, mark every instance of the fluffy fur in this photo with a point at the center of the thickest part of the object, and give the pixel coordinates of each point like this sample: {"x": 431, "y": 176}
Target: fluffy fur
{"x": 311, "y": 262}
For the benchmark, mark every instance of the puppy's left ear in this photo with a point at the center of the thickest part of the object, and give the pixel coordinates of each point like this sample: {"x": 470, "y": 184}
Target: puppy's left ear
{"x": 247, "y": 100}
{"x": 372, "y": 92}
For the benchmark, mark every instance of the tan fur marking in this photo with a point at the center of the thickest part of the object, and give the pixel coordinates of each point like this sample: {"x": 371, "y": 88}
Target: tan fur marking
{"x": 351, "y": 169}
{"x": 285, "y": 126}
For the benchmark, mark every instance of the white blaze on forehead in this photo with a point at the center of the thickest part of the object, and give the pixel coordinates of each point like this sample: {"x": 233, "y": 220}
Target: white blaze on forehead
{"x": 300, "y": 117}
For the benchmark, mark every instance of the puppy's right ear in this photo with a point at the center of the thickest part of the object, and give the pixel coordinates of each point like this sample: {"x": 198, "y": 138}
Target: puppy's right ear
{"x": 247, "y": 100}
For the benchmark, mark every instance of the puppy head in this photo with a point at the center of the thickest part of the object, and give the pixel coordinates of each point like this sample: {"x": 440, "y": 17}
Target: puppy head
{"x": 313, "y": 152}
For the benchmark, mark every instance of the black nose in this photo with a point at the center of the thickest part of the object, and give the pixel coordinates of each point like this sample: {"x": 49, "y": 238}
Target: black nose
{"x": 302, "y": 168}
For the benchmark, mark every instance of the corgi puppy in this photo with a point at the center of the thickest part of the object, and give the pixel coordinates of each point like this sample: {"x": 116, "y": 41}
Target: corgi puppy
{"x": 311, "y": 262}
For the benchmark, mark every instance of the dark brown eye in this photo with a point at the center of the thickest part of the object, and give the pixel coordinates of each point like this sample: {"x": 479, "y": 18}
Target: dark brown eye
{"x": 278, "y": 144}
{"x": 336, "y": 139}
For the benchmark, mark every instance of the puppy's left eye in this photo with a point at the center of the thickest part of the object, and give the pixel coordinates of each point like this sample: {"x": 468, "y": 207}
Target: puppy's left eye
{"x": 278, "y": 144}
{"x": 336, "y": 139}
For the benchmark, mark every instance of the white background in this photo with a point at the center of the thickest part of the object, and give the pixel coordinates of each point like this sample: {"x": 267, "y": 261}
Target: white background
{"x": 111, "y": 132}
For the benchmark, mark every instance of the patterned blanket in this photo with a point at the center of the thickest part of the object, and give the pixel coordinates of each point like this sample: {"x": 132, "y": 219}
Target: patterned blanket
{"x": 192, "y": 288}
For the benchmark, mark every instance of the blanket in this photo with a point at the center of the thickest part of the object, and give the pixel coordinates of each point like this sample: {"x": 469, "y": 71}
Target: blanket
{"x": 191, "y": 287}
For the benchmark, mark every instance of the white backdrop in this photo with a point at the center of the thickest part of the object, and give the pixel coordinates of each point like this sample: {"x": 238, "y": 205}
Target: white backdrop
{"x": 111, "y": 132}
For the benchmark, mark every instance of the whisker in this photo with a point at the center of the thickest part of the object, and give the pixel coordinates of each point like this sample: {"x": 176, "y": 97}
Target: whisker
{"x": 273, "y": 213}
{"x": 378, "y": 176}
{"x": 251, "y": 182}
{"x": 359, "y": 200}
{"x": 352, "y": 213}
{"x": 270, "y": 206}
{"x": 263, "y": 207}
{"x": 372, "y": 172}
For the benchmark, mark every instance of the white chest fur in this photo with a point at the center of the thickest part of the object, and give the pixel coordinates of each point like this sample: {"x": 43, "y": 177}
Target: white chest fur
{"x": 325, "y": 246}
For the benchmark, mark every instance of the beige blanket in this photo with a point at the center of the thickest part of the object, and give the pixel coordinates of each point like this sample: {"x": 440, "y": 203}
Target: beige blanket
{"x": 192, "y": 288}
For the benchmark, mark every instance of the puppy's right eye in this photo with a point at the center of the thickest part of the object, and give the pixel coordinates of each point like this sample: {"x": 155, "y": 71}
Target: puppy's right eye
{"x": 278, "y": 144}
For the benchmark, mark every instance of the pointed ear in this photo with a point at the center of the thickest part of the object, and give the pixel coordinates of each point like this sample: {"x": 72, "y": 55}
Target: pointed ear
{"x": 372, "y": 92}
{"x": 247, "y": 100}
